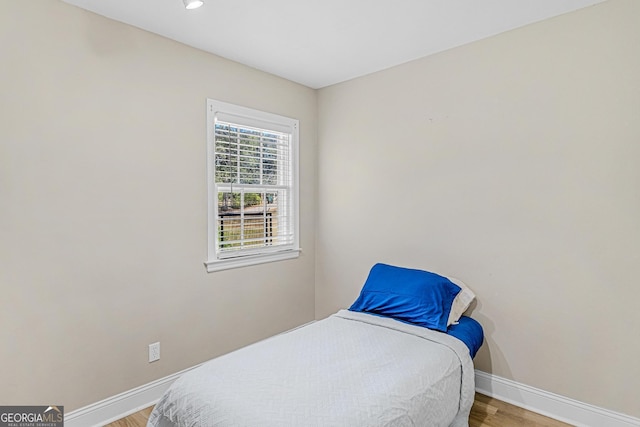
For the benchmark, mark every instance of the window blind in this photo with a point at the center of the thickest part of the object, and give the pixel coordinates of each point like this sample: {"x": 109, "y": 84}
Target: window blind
{"x": 254, "y": 186}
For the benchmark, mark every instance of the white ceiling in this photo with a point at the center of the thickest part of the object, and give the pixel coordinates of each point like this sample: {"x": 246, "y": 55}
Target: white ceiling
{"x": 319, "y": 43}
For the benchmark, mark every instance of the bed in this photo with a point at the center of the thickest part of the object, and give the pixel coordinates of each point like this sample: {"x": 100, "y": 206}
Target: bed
{"x": 356, "y": 368}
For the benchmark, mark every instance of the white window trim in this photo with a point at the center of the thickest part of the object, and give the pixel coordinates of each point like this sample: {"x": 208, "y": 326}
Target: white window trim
{"x": 246, "y": 261}
{"x": 214, "y": 262}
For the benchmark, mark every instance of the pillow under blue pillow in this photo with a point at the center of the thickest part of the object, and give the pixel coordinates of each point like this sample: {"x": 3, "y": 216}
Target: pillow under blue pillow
{"x": 414, "y": 296}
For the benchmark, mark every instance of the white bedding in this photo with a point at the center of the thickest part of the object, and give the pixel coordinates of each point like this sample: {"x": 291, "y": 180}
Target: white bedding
{"x": 350, "y": 369}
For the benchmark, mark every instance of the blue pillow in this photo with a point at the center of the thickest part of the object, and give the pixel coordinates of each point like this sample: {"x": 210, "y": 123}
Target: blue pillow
{"x": 412, "y": 296}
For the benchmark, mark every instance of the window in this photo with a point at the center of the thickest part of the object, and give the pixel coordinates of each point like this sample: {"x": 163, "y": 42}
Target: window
{"x": 252, "y": 163}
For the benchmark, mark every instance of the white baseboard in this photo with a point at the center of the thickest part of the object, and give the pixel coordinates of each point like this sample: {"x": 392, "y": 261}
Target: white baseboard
{"x": 121, "y": 405}
{"x": 543, "y": 402}
{"x": 549, "y": 404}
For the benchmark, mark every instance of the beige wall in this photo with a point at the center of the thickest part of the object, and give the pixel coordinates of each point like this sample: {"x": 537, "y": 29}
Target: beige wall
{"x": 103, "y": 208}
{"x": 511, "y": 163}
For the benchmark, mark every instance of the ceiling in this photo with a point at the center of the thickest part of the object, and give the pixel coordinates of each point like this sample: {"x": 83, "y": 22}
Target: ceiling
{"x": 320, "y": 43}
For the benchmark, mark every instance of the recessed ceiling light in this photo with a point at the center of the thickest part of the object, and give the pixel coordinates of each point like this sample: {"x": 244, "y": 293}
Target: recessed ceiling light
{"x": 192, "y": 4}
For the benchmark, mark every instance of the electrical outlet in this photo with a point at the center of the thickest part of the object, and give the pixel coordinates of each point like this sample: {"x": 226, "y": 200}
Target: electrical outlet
{"x": 154, "y": 352}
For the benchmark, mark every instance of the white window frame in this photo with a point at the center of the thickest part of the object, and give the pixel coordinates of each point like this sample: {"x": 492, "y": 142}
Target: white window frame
{"x": 216, "y": 259}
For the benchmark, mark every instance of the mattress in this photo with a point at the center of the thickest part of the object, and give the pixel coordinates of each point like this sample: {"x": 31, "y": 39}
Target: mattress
{"x": 350, "y": 369}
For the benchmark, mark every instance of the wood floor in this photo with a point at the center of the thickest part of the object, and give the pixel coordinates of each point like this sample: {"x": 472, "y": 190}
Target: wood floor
{"x": 489, "y": 412}
{"x": 139, "y": 419}
{"x": 486, "y": 412}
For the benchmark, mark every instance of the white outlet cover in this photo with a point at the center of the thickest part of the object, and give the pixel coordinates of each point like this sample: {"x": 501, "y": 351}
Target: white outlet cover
{"x": 154, "y": 352}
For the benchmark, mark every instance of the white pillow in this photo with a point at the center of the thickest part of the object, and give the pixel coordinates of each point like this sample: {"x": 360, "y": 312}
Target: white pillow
{"x": 461, "y": 302}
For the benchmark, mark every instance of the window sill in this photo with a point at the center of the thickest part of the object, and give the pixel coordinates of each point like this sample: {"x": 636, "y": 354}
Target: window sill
{"x": 246, "y": 261}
